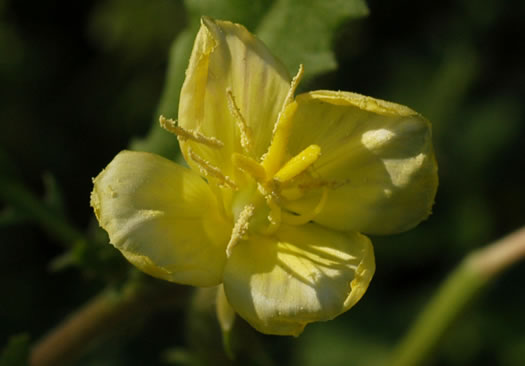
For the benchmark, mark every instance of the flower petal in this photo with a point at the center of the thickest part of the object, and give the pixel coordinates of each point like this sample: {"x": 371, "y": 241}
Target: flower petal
{"x": 227, "y": 57}
{"x": 301, "y": 275}
{"x": 377, "y": 162}
{"x": 162, "y": 217}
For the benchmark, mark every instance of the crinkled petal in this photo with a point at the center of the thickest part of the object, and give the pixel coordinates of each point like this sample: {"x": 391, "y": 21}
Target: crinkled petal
{"x": 227, "y": 57}
{"x": 302, "y": 275}
{"x": 162, "y": 217}
{"x": 377, "y": 162}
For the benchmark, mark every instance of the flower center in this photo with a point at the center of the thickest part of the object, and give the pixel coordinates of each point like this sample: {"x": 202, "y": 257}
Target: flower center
{"x": 257, "y": 202}
{"x": 258, "y": 207}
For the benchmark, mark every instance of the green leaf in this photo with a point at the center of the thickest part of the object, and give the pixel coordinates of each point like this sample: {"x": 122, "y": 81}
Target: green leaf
{"x": 247, "y": 13}
{"x": 95, "y": 258}
{"x": 302, "y": 31}
{"x": 10, "y": 216}
{"x": 135, "y": 28}
{"x": 158, "y": 140}
{"x": 21, "y": 199}
{"x": 54, "y": 198}
{"x": 16, "y": 352}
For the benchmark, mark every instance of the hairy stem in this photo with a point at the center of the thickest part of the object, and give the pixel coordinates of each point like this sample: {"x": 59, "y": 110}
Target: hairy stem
{"x": 101, "y": 316}
{"x": 472, "y": 275}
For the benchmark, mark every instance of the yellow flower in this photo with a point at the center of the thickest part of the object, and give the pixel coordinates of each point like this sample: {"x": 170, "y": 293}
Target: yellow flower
{"x": 278, "y": 189}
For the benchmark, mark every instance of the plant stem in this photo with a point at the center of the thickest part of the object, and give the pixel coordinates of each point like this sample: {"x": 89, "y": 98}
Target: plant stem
{"x": 471, "y": 276}
{"x": 100, "y": 316}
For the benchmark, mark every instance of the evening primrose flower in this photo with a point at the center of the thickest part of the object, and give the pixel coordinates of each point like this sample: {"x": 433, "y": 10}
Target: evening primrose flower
{"x": 278, "y": 187}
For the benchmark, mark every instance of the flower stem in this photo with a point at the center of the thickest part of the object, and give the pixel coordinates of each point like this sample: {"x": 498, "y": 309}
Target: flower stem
{"x": 101, "y": 316}
{"x": 471, "y": 276}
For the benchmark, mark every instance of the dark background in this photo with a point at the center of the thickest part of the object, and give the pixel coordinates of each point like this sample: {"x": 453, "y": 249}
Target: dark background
{"x": 79, "y": 80}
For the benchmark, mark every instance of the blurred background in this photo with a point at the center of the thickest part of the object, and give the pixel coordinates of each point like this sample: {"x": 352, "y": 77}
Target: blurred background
{"x": 82, "y": 80}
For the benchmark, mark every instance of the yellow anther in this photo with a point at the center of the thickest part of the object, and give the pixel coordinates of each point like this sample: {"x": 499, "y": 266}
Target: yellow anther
{"x": 244, "y": 129}
{"x": 298, "y": 164}
{"x": 291, "y": 219}
{"x": 183, "y": 134}
{"x": 240, "y": 229}
{"x": 250, "y": 166}
{"x": 208, "y": 170}
{"x": 273, "y": 158}
{"x": 282, "y": 128}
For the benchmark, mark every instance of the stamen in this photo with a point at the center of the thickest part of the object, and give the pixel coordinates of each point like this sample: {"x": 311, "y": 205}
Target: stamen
{"x": 209, "y": 170}
{"x": 183, "y": 134}
{"x": 240, "y": 229}
{"x": 277, "y": 150}
{"x": 298, "y": 163}
{"x": 282, "y": 128}
{"x": 250, "y": 166}
{"x": 292, "y": 193}
{"x": 303, "y": 219}
{"x": 270, "y": 191}
{"x": 246, "y": 132}
{"x": 274, "y": 217}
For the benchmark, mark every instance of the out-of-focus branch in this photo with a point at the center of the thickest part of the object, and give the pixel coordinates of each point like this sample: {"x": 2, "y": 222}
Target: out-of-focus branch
{"x": 104, "y": 314}
{"x": 472, "y": 275}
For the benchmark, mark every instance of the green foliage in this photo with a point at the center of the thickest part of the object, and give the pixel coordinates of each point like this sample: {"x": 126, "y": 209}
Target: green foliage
{"x": 158, "y": 140}
{"x": 342, "y": 343}
{"x": 124, "y": 25}
{"x": 53, "y": 195}
{"x": 297, "y": 37}
{"x": 16, "y": 352}
{"x": 94, "y": 258}
{"x": 248, "y": 13}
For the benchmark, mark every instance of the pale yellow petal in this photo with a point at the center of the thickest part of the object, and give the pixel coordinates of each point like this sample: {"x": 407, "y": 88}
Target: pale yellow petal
{"x": 377, "y": 162}
{"x": 225, "y": 313}
{"x": 162, "y": 217}
{"x": 301, "y": 275}
{"x": 231, "y": 71}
